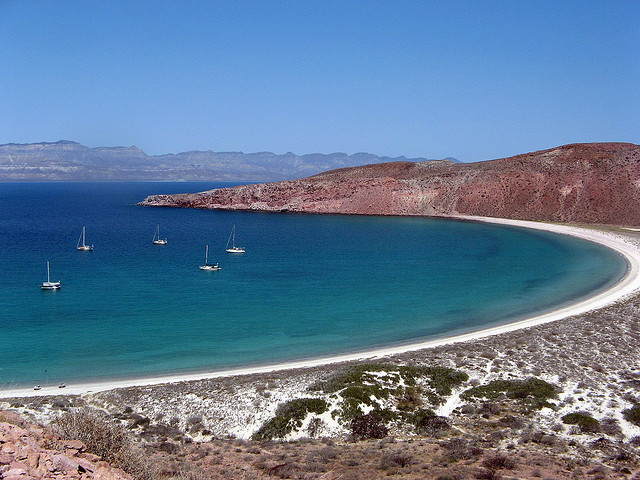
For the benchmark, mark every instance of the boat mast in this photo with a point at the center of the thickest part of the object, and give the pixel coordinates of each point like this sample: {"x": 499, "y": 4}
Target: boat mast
{"x": 232, "y": 237}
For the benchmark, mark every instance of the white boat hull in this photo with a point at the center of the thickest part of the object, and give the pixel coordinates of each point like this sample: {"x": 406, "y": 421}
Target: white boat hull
{"x": 232, "y": 241}
{"x": 209, "y": 267}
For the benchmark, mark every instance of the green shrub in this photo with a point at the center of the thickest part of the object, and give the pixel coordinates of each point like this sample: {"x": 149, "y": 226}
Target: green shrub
{"x": 427, "y": 422}
{"x": 632, "y": 414}
{"x": 354, "y": 375}
{"x": 443, "y": 379}
{"x": 289, "y": 416}
{"x": 584, "y": 421}
{"x": 532, "y": 393}
{"x": 363, "y": 393}
{"x": 357, "y": 395}
{"x": 350, "y": 408}
{"x": 367, "y": 383}
{"x": 298, "y": 408}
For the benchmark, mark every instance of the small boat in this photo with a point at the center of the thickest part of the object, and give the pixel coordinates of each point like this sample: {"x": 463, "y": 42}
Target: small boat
{"x": 232, "y": 241}
{"x": 207, "y": 265}
{"x": 81, "y": 245}
{"x": 156, "y": 238}
{"x": 37, "y": 387}
{"x": 62, "y": 385}
{"x": 49, "y": 285}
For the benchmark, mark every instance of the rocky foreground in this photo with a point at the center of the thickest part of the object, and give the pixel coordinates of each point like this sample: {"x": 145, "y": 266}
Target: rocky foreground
{"x": 29, "y": 451}
{"x": 596, "y": 183}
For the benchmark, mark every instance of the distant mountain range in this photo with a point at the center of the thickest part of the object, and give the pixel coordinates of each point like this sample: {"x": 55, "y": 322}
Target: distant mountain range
{"x": 71, "y": 161}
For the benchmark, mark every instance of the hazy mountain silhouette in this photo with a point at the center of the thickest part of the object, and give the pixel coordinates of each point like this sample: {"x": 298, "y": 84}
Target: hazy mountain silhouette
{"x": 66, "y": 160}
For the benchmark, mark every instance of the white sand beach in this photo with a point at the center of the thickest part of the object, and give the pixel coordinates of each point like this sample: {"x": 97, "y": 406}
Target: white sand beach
{"x": 626, "y": 287}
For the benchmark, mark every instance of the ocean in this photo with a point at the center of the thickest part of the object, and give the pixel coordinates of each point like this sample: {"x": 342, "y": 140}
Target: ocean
{"x": 307, "y": 286}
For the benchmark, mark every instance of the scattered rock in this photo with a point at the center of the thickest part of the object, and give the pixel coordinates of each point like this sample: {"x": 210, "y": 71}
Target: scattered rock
{"x": 25, "y": 457}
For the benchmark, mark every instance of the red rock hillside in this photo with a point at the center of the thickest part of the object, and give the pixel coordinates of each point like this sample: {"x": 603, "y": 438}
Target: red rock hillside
{"x": 30, "y": 452}
{"x": 579, "y": 183}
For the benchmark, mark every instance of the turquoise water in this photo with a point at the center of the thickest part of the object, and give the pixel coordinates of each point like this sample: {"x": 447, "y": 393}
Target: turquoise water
{"x": 308, "y": 286}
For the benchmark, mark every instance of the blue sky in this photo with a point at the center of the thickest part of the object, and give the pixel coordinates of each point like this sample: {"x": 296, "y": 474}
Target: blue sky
{"x": 475, "y": 80}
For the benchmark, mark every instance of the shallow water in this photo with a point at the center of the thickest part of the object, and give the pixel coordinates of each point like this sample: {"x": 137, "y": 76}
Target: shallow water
{"x": 308, "y": 286}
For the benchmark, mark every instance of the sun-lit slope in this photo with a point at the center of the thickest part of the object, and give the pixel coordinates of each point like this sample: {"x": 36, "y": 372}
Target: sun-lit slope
{"x": 588, "y": 183}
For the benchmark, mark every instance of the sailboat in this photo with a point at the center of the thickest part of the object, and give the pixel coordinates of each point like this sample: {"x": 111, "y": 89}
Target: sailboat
{"x": 232, "y": 241}
{"x": 49, "y": 285}
{"x": 207, "y": 265}
{"x": 156, "y": 238}
{"x": 81, "y": 245}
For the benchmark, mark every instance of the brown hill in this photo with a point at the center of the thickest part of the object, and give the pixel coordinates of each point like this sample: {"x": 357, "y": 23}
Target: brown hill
{"x": 580, "y": 183}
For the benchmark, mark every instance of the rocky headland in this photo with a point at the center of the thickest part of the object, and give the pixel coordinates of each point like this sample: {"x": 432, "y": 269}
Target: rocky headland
{"x": 595, "y": 183}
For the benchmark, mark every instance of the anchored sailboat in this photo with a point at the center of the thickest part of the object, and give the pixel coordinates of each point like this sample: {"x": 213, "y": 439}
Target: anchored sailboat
{"x": 232, "y": 241}
{"x": 207, "y": 265}
{"x": 81, "y": 244}
{"x": 49, "y": 285}
{"x": 156, "y": 238}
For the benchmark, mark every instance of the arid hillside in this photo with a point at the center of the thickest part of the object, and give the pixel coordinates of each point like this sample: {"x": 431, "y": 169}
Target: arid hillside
{"x": 595, "y": 183}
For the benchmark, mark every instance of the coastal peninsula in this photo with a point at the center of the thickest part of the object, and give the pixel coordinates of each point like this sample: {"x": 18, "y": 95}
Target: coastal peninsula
{"x": 594, "y": 183}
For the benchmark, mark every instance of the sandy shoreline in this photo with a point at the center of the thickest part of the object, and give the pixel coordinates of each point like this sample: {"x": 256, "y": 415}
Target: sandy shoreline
{"x": 629, "y": 285}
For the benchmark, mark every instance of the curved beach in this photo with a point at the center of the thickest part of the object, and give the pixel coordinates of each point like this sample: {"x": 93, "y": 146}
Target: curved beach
{"x": 627, "y": 286}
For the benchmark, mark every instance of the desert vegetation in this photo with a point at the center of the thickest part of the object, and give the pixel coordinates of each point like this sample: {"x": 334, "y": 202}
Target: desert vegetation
{"x": 585, "y": 422}
{"x": 532, "y": 393}
{"x": 289, "y": 416}
{"x": 111, "y": 441}
{"x": 633, "y": 414}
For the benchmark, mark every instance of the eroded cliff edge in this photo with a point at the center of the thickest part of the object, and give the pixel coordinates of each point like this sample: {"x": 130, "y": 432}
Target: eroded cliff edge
{"x": 577, "y": 183}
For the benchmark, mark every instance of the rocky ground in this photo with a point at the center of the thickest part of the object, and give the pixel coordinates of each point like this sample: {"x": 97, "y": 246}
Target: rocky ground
{"x": 29, "y": 451}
